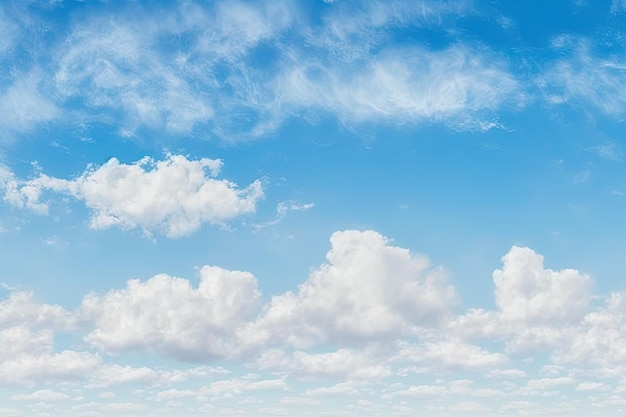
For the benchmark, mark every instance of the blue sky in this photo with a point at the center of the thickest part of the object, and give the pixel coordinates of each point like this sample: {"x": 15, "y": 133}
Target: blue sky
{"x": 261, "y": 208}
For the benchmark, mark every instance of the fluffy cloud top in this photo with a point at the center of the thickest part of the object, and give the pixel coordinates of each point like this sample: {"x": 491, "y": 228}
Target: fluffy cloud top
{"x": 368, "y": 290}
{"x": 174, "y": 196}
{"x": 167, "y": 315}
{"x": 527, "y": 292}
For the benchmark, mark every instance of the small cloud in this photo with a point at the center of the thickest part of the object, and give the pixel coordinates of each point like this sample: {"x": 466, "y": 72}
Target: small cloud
{"x": 607, "y": 151}
{"x": 618, "y": 5}
{"x": 281, "y": 211}
{"x": 54, "y": 241}
{"x": 583, "y": 176}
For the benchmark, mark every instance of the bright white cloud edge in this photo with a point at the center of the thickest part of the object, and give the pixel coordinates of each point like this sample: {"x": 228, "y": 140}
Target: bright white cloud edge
{"x": 174, "y": 196}
{"x": 294, "y": 336}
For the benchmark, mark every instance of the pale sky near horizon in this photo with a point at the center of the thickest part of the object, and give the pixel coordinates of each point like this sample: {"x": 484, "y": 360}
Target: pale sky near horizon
{"x": 302, "y": 208}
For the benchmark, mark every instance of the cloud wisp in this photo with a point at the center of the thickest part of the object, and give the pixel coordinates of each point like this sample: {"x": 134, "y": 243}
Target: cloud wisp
{"x": 240, "y": 69}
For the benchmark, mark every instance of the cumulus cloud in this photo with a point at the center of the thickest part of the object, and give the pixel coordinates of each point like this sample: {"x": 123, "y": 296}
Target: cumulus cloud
{"x": 368, "y": 290}
{"x": 21, "y": 309}
{"x": 221, "y": 318}
{"x": 527, "y": 292}
{"x": 67, "y": 365}
{"x": 167, "y": 315}
{"x": 174, "y": 196}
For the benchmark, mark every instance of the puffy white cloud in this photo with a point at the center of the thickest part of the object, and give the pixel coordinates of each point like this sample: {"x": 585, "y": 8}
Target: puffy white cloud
{"x": 67, "y": 365}
{"x": 449, "y": 354}
{"x": 167, "y": 315}
{"x": 368, "y": 290}
{"x": 174, "y": 196}
{"x": 539, "y": 309}
{"x": 599, "y": 339}
{"x": 21, "y": 340}
{"x": 527, "y": 292}
{"x": 21, "y": 309}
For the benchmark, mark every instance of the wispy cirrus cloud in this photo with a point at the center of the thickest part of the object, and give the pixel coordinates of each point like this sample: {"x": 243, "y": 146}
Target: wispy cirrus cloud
{"x": 237, "y": 69}
{"x": 586, "y": 79}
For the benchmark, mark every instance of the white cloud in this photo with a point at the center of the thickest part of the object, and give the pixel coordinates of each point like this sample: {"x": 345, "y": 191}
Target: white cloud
{"x": 167, "y": 315}
{"x": 112, "y": 375}
{"x": 21, "y": 309}
{"x": 545, "y": 386}
{"x": 583, "y": 78}
{"x": 67, "y": 365}
{"x": 174, "y": 196}
{"x": 19, "y": 340}
{"x": 19, "y": 194}
{"x": 368, "y": 290}
{"x": 539, "y": 309}
{"x": 507, "y": 374}
{"x": 342, "y": 388}
{"x": 112, "y": 66}
{"x": 599, "y": 339}
{"x": 526, "y": 292}
{"x": 24, "y": 105}
{"x": 457, "y": 86}
{"x": 175, "y": 394}
{"x": 343, "y": 363}
{"x": 419, "y": 391}
{"x": 41, "y": 395}
{"x": 193, "y": 69}
{"x": 229, "y": 387}
{"x": 282, "y": 209}
{"x": 451, "y": 354}
{"x": 593, "y": 387}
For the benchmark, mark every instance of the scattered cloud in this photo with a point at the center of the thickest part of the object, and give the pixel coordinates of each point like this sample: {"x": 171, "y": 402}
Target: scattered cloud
{"x": 133, "y": 69}
{"x": 538, "y": 310}
{"x": 282, "y": 209}
{"x": 41, "y": 395}
{"x": 167, "y": 315}
{"x": 174, "y": 196}
{"x": 343, "y": 363}
{"x": 368, "y": 290}
{"x": 583, "y": 78}
{"x": 408, "y": 86}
